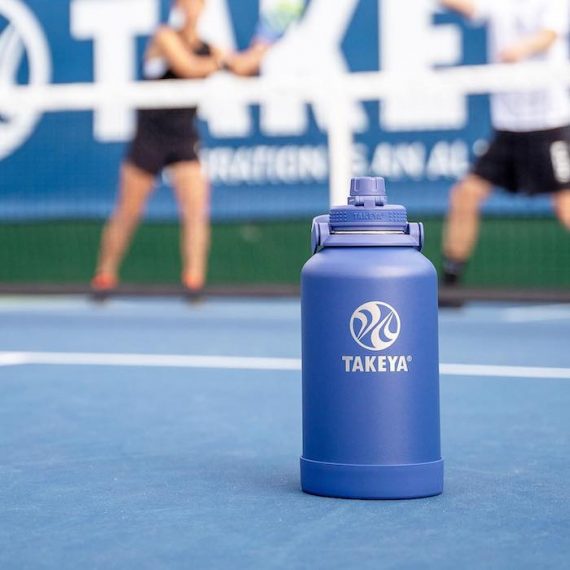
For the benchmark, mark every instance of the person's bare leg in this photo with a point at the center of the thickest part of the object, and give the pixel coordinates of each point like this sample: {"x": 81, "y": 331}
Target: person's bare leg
{"x": 562, "y": 207}
{"x": 135, "y": 188}
{"x": 462, "y": 225}
{"x": 193, "y": 194}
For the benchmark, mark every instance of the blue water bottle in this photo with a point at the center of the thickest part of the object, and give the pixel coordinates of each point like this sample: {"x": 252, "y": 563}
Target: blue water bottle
{"x": 370, "y": 354}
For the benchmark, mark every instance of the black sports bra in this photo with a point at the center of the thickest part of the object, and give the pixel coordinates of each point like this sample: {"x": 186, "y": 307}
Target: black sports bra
{"x": 175, "y": 122}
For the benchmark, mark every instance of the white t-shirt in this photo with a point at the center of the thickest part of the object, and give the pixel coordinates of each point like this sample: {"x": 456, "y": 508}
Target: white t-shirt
{"x": 510, "y": 21}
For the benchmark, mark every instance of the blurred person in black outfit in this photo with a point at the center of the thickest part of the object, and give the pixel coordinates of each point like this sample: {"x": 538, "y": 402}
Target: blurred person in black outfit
{"x": 166, "y": 138}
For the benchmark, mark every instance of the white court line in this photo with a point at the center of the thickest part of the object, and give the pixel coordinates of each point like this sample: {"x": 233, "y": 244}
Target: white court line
{"x": 248, "y": 363}
{"x": 150, "y": 360}
{"x": 13, "y": 358}
{"x": 536, "y": 313}
{"x": 503, "y": 371}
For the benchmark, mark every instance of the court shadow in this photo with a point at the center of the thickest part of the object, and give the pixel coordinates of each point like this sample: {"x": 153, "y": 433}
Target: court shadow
{"x": 280, "y": 475}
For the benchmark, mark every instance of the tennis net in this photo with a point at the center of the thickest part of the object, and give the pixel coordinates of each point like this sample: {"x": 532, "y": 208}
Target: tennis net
{"x": 59, "y": 177}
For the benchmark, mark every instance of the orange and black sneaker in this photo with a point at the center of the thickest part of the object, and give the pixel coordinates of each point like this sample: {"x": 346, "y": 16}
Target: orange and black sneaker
{"x": 103, "y": 286}
{"x": 193, "y": 288}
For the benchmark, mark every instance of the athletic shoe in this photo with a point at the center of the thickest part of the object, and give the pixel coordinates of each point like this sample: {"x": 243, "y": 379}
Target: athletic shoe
{"x": 193, "y": 288}
{"x": 103, "y": 286}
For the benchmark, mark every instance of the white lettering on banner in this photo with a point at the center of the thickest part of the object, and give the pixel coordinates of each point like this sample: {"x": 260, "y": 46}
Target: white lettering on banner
{"x": 312, "y": 46}
{"x": 267, "y": 164}
{"x": 113, "y": 27}
{"x": 414, "y": 160}
{"x": 225, "y": 117}
{"x": 448, "y": 160}
{"x": 306, "y": 164}
{"x": 215, "y": 26}
{"x": 410, "y": 43}
{"x": 22, "y": 38}
{"x": 399, "y": 160}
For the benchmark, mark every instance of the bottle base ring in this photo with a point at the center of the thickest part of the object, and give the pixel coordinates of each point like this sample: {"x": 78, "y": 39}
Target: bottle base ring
{"x": 338, "y": 480}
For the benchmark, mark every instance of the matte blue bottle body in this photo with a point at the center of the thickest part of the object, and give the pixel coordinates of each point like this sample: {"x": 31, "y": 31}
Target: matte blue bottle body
{"x": 370, "y": 434}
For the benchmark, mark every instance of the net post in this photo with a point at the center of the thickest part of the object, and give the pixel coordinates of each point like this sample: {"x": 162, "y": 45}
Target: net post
{"x": 340, "y": 148}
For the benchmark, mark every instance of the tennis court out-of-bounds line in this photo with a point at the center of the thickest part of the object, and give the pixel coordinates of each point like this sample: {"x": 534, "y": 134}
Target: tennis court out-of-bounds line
{"x": 248, "y": 363}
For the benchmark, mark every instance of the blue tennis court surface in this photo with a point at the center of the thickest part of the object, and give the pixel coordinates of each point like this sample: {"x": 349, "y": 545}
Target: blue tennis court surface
{"x": 154, "y": 434}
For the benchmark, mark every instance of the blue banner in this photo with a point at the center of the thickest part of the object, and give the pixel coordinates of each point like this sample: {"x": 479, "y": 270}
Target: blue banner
{"x": 264, "y": 162}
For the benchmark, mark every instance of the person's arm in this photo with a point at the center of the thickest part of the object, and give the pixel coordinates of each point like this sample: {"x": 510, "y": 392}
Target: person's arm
{"x": 248, "y": 62}
{"x": 552, "y": 21}
{"x": 167, "y": 43}
{"x": 466, "y": 8}
{"x": 530, "y": 46}
{"x": 276, "y": 18}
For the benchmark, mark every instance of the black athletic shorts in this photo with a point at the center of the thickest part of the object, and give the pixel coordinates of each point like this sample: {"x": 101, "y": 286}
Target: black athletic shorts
{"x": 529, "y": 163}
{"x": 158, "y": 143}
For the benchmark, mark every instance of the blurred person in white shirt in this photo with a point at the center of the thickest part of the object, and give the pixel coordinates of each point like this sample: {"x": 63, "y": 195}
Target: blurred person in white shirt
{"x": 529, "y": 152}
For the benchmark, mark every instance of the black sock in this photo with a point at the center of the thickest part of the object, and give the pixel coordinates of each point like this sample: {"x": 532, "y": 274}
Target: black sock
{"x": 452, "y": 271}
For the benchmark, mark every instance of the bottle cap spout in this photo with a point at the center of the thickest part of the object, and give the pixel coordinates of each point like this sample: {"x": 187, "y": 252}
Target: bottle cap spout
{"x": 367, "y": 191}
{"x": 367, "y": 186}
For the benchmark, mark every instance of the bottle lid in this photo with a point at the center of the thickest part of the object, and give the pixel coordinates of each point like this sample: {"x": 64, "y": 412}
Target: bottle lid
{"x": 367, "y": 186}
{"x": 368, "y": 208}
{"x": 366, "y": 221}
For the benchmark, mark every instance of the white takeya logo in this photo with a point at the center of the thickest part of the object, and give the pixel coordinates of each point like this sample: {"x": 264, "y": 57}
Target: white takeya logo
{"x": 375, "y": 326}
